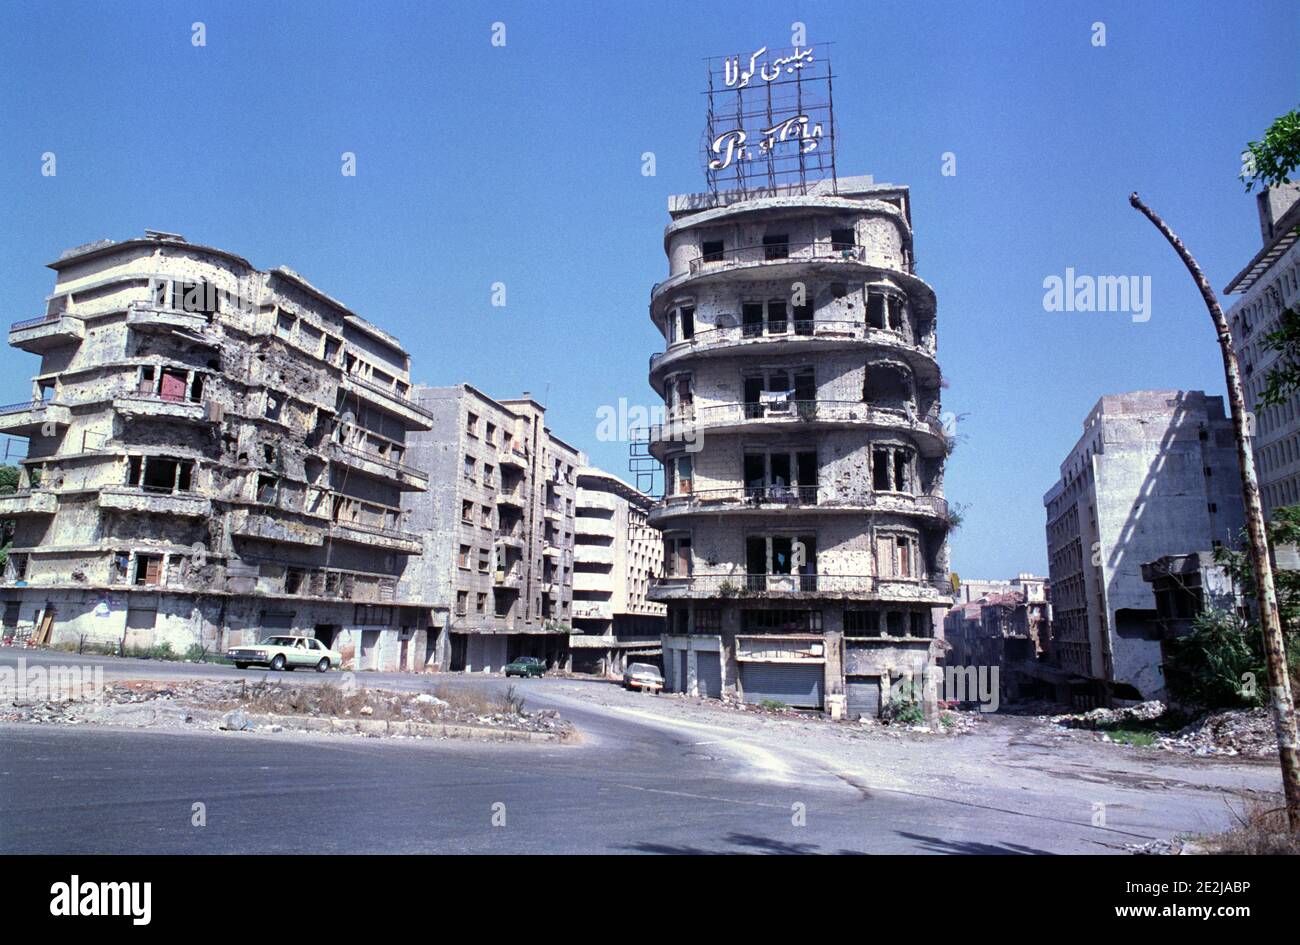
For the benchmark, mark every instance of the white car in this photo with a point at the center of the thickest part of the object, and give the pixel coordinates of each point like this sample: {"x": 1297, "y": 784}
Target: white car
{"x": 643, "y": 676}
{"x": 286, "y": 653}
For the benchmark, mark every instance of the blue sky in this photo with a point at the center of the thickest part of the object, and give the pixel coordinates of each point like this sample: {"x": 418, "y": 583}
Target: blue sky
{"x": 478, "y": 164}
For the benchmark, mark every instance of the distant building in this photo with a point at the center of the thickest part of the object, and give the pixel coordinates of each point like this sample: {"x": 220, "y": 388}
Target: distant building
{"x": 1007, "y": 627}
{"x": 497, "y": 527}
{"x": 216, "y": 452}
{"x": 616, "y": 557}
{"x": 1155, "y": 473}
{"x": 1269, "y": 284}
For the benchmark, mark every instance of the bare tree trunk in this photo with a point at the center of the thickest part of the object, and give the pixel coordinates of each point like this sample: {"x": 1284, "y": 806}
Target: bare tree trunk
{"x": 1270, "y": 621}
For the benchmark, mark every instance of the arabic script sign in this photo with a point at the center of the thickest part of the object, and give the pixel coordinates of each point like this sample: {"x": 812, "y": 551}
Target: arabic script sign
{"x": 770, "y": 121}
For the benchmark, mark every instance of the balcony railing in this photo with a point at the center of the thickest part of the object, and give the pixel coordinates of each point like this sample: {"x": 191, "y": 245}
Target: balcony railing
{"x": 713, "y": 415}
{"x": 772, "y": 496}
{"x": 778, "y": 253}
{"x": 378, "y": 460}
{"x": 787, "y": 330}
{"x": 39, "y": 321}
{"x": 390, "y": 392}
{"x": 740, "y": 585}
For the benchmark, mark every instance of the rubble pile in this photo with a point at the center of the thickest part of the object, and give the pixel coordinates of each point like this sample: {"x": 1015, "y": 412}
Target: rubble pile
{"x": 1105, "y": 718}
{"x": 1245, "y": 732}
{"x": 231, "y": 706}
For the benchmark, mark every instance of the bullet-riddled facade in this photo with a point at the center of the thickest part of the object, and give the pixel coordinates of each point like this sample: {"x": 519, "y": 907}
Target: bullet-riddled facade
{"x": 214, "y": 452}
{"x": 1154, "y": 474}
{"x": 804, "y": 521}
{"x": 496, "y": 527}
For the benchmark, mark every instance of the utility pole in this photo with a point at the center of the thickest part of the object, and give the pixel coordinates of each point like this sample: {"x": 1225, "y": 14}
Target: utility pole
{"x": 1270, "y": 622}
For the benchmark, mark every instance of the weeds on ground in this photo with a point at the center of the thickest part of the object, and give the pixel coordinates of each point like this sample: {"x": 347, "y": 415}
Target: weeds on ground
{"x": 1261, "y": 829}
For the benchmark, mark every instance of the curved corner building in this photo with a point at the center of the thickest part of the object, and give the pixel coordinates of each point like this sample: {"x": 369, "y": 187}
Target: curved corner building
{"x": 804, "y": 522}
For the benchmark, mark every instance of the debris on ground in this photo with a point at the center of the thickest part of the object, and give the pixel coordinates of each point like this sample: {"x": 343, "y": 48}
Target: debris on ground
{"x": 1246, "y": 732}
{"x": 236, "y": 706}
{"x": 1107, "y": 718}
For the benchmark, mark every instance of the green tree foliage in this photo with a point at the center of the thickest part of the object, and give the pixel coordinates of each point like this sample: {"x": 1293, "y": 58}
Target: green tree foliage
{"x": 1271, "y": 161}
{"x": 1209, "y": 668}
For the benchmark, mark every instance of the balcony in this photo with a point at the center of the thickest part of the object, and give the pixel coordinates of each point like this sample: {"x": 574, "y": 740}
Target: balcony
{"x": 133, "y": 404}
{"x": 773, "y": 260}
{"x": 390, "y": 399}
{"x": 512, "y": 497}
{"x": 513, "y": 538}
{"x": 154, "y": 502}
{"x": 593, "y": 554}
{"x": 592, "y": 610}
{"x": 591, "y": 525}
{"x": 380, "y": 467}
{"x": 513, "y": 456}
{"x": 376, "y": 536}
{"x": 795, "y": 337}
{"x": 803, "y": 586}
{"x": 513, "y": 579}
{"x": 826, "y": 497}
{"x": 274, "y": 525}
{"x": 796, "y": 416}
{"x": 30, "y": 418}
{"x": 49, "y": 331}
{"x": 143, "y": 316}
{"x": 28, "y": 502}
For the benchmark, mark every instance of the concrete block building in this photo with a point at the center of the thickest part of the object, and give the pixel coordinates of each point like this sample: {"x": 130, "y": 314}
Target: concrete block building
{"x": 1154, "y": 474}
{"x": 805, "y": 528}
{"x": 496, "y": 529}
{"x": 616, "y": 558}
{"x": 1268, "y": 285}
{"x": 215, "y": 452}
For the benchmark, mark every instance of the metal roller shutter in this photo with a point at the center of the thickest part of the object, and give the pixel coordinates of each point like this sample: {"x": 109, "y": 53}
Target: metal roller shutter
{"x": 708, "y": 666}
{"x": 863, "y": 696}
{"x": 791, "y": 683}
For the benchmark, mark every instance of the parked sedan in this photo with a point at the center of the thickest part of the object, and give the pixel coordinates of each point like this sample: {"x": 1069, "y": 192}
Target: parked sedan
{"x": 525, "y": 666}
{"x": 643, "y": 676}
{"x": 286, "y": 653}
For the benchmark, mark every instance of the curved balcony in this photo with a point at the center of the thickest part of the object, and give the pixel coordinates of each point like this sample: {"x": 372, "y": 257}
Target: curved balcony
{"x": 796, "y": 337}
{"x": 144, "y": 316}
{"x": 389, "y": 398}
{"x": 794, "y": 416}
{"x": 765, "y": 500}
{"x": 28, "y": 502}
{"x": 857, "y": 587}
{"x": 134, "y": 404}
{"x": 791, "y": 259}
{"x": 32, "y": 417}
{"x": 38, "y": 335}
{"x": 154, "y": 501}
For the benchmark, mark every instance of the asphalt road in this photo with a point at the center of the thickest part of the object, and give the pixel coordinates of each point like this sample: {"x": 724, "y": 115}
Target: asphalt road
{"x": 633, "y": 784}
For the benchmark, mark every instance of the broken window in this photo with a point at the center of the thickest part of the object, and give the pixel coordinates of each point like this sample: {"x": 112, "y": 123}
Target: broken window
{"x": 876, "y": 310}
{"x": 146, "y": 382}
{"x": 481, "y": 604}
{"x": 776, "y": 246}
{"x": 16, "y": 567}
{"x": 895, "y": 309}
{"x": 148, "y": 569}
{"x": 862, "y": 623}
{"x": 687, "y": 317}
{"x": 484, "y": 560}
{"x": 902, "y": 557}
{"x": 467, "y": 512}
{"x": 134, "y": 468}
{"x": 803, "y": 319}
{"x": 469, "y": 467}
{"x": 462, "y": 603}
{"x": 268, "y": 488}
{"x": 713, "y": 250}
{"x": 293, "y": 578}
{"x": 273, "y": 405}
{"x": 677, "y": 556}
{"x": 121, "y": 566}
{"x": 886, "y": 385}
{"x": 843, "y": 239}
{"x": 751, "y": 316}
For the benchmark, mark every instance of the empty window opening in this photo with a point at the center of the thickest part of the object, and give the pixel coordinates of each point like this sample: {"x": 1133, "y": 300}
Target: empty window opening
{"x": 148, "y": 569}
{"x": 842, "y": 239}
{"x": 713, "y": 250}
{"x": 776, "y": 246}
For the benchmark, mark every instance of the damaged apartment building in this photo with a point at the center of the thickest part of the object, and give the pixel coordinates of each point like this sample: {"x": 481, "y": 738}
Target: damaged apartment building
{"x": 616, "y": 557}
{"x": 497, "y": 529}
{"x": 804, "y": 520}
{"x": 1003, "y": 624}
{"x": 215, "y": 453}
{"x": 1154, "y": 474}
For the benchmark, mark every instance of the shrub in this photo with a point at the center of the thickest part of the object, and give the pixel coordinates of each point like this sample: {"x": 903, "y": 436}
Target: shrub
{"x": 904, "y": 706}
{"x": 1205, "y": 669}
